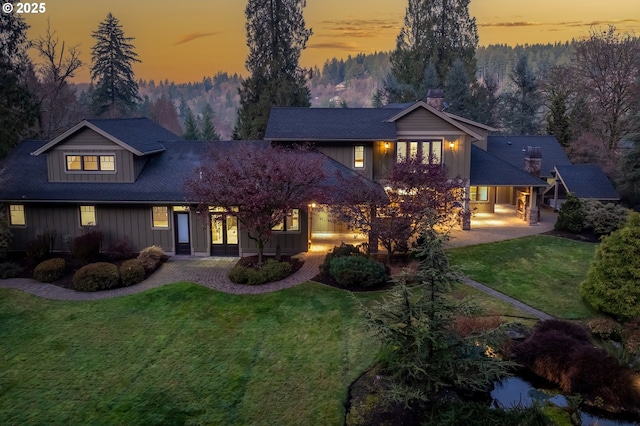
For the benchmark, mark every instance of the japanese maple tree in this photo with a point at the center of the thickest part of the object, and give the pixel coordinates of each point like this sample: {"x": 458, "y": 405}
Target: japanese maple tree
{"x": 258, "y": 184}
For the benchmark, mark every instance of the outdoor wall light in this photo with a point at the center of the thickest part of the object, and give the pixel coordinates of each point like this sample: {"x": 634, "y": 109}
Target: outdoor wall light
{"x": 452, "y": 145}
{"x": 386, "y": 147}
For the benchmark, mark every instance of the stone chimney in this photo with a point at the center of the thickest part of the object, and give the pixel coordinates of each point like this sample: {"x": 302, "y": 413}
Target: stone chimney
{"x": 533, "y": 161}
{"x": 435, "y": 99}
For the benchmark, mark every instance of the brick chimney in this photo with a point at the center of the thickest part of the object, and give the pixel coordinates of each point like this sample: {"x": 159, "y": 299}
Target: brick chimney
{"x": 435, "y": 99}
{"x": 533, "y": 161}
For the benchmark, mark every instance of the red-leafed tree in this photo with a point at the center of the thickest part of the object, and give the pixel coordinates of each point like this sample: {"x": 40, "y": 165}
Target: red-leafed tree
{"x": 415, "y": 193}
{"x": 258, "y": 184}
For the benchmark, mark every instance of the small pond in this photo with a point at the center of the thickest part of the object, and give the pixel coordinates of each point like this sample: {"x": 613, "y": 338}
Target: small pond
{"x": 516, "y": 391}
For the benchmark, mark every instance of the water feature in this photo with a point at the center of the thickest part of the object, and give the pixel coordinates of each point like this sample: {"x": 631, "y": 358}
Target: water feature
{"x": 516, "y": 391}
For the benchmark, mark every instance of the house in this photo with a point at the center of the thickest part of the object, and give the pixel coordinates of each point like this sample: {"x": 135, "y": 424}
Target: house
{"x": 126, "y": 176}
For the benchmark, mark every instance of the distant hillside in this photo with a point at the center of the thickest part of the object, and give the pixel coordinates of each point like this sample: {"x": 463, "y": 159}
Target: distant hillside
{"x": 349, "y": 82}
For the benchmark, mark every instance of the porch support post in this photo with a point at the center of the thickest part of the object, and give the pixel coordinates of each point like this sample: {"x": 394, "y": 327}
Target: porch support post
{"x": 466, "y": 212}
{"x": 534, "y": 212}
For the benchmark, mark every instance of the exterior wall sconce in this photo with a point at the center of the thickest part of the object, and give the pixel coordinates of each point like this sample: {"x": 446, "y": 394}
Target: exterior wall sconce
{"x": 452, "y": 145}
{"x": 386, "y": 147}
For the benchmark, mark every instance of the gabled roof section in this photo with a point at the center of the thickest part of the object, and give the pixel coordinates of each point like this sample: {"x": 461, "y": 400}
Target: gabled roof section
{"x": 440, "y": 114}
{"x": 512, "y": 149}
{"x": 587, "y": 181}
{"x": 487, "y": 170}
{"x": 463, "y": 121}
{"x": 323, "y": 124}
{"x": 140, "y": 136}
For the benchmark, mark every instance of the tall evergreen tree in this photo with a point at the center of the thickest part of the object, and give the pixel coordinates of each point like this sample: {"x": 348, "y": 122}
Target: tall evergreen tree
{"x": 191, "y": 132}
{"x": 558, "y": 121}
{"x": 276, "y": 36}
{"x": 116, "y": 91}
{"x": 520, "y": 106}
{"x": 457, "y": 90}
{"x": 437, "y": 31}
{"x": 208, "y": 129}
{"x": 18, "y": 110}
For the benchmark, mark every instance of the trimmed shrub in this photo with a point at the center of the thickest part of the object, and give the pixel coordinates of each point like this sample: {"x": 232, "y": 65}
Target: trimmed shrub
{"x": 131, "y": 272}
{"x": 603, "y": 218}
{"x": 571, "y": 215}
{"x": 96, "y": 276}
{"x": 151, "y": 257}
{"x": 40, "y": 248}
{"x": 357, "y": 271}
{"x": 50, "y": 270}
{"x": 6, "y": 237}
{"x": 604, "y": 328}
{"x": 270, "y": 271}
{"x": 339, "y": 251}
{"x": 9, "y": 270}
{"x": 611, "y": 284}
{"x": 86, "y": 247}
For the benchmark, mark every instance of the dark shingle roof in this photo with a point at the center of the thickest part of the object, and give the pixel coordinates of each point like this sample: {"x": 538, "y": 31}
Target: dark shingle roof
{"x": 512, "y": 149}
{"x": 587, "y": 181}
{"x": 487, "y": 170}
{"x": 24, "y": 177}
{"x": 141, "y": 133}
{"x": 308, "y": 124}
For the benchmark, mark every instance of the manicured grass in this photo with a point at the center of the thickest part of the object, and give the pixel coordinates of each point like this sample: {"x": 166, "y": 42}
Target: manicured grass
{"x": 181, "y": 354}
{"x": 542, "y": 271}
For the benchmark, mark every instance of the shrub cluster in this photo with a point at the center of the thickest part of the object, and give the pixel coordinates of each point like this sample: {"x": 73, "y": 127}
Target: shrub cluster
{"x": 570, "y": 215}
{"x": 6, "y": 237}
{"x": 86, "y": 247}
{"x": 9, "y": 270}
{"x": 96, "y": 276}
{"x": 611, "y": 284}
{"x": 50, "y": 270}
{"x": 131, "y": 272}
{"x": 563, "y": 353}
{"x": 151, "y": 258}
{"x": 41, "y": 247}
{"x": 121, "y": 249}
{"x": 357, "y": 271}
{"x": 604, "y": 328}
{"x": 270, "y": 271}
{"x": 339, "y": 251}
{"x": 576, "y": 215}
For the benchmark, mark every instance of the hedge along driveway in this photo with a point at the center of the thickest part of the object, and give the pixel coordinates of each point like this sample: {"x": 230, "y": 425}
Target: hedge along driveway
{"x": 181, "y": 354}
{"x": 542, "y": 271}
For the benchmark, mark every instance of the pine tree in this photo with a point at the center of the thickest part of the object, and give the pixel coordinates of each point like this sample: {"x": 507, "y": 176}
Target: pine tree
{"x": 116, "y": 91}
{"x": 276, "y": 35}
{"x": 457, "y": 90}
{"x": 18, "y": 111}
{"x": 521, "y": 105}
{"x": 558, "y": 121}
{"x": 208, "y": 129}
{"x": 191, "y": 132}
{"x": 437, "y": 31}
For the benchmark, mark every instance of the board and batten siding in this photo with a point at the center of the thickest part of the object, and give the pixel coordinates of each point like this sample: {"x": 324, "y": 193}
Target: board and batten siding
{"x": 117, "y": 223}
{"x": 422, "y": 120}
{"x": 343, "y": 153}
{"x": 291, "y": 242}
{"x": 200, "y": 233}
{"x": 88, "y": 142}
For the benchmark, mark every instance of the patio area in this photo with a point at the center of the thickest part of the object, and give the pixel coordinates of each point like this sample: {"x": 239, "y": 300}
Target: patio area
{"x": 485, "y": 228}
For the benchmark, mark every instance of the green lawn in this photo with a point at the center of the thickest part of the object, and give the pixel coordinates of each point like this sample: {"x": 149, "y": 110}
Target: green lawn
{"x": 542, "y": 271}
{"x": 181, "y": 353}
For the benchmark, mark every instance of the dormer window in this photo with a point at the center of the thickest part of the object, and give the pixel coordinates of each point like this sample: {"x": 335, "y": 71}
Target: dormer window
{"x": 90, "y": 163}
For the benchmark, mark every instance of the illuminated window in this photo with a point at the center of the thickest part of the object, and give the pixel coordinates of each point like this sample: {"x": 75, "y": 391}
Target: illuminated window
{"x": 479, "y": 193}
{"x": 87, "y": 216}
{"x": 160, "y": 215}
{"x": 16, "y": 215}
{"x": 429, "y": 151}
{"x": 291, "y": 222}
{"x": 358, "y": 157}
{"x": 91, "y": 163}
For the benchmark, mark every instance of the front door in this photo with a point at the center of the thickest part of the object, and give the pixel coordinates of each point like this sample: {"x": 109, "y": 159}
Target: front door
{"x": 183, "y": 241}
{"x": 224, "y": 235}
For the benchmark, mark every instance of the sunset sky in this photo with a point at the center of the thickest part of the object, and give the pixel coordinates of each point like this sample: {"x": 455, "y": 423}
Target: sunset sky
{"x": 186, "y": 40}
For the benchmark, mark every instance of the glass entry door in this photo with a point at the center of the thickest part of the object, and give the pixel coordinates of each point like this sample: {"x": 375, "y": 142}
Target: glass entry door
{"x": 182, "y": 237}
{"x": 224, "y": 235}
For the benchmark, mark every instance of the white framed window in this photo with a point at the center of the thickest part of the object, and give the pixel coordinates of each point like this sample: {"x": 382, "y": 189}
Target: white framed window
{"x": 429, "y": 151}
{"x": 160, "y": 217}
{"x": 90, "y": 163}
{"x": 358, "y": 157}
{"x": 291, "y": 222}
{"x": 16, "y": 215}
{"x": 87, "y": 215}
{"x": 479, "y": 193}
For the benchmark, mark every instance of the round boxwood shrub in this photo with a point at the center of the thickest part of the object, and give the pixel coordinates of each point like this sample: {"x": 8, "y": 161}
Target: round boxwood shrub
{"x": 357, "y": 271}
{"x": 612, "y": 279}
{"x": 131, "y": 272}
{"x": 50, "y": 270}
{"x": 339, "y": 251}
{"x": 96, "y": 276}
